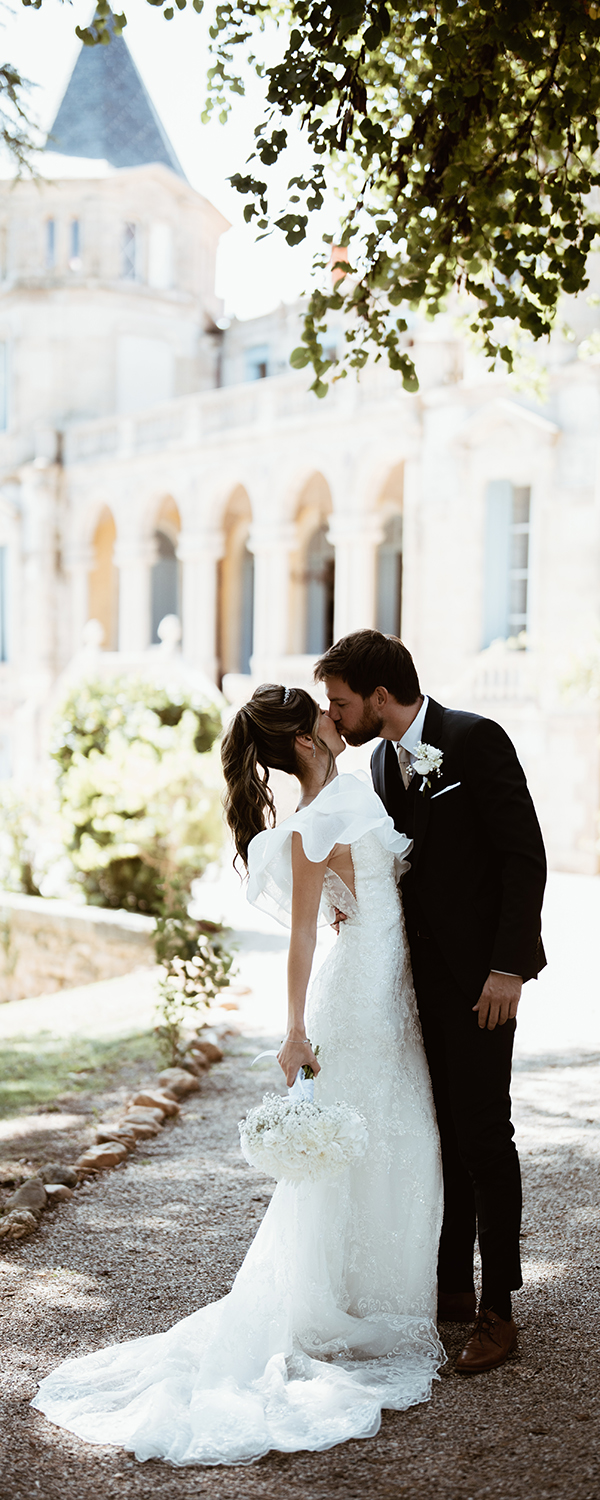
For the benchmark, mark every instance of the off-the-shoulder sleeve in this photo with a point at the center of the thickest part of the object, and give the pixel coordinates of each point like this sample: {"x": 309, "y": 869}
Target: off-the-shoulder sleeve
{"x": 342, "y": 813}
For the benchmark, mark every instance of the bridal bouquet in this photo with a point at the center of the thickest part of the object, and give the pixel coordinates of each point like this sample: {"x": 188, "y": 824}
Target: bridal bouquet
{"x": 295, "y": 1140}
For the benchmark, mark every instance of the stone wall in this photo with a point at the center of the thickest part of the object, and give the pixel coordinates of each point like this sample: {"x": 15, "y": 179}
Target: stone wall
{"x": 54, "y": 945}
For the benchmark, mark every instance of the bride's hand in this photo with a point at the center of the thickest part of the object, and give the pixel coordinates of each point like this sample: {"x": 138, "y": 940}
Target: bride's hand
{"x": 295, "y": 1053}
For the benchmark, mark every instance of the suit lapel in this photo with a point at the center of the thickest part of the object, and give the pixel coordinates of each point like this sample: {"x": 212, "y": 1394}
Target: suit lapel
{"x": 432, "y": 735}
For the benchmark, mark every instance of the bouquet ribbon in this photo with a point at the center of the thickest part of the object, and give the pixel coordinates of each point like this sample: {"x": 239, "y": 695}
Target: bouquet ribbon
{"x": 301, "y": 1088}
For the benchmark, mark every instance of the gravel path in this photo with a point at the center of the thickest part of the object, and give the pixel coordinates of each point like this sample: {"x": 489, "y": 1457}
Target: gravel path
{"x": 148, "y": 1243}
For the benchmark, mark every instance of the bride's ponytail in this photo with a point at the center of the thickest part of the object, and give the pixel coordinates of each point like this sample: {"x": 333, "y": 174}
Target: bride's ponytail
{"x": 262, "y": 735}
{"x": 248, "y": 799}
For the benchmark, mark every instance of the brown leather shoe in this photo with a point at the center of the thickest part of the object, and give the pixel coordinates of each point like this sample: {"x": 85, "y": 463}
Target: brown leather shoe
{"x": 491, "y": 1342}
{"x": 456, "y": 1307}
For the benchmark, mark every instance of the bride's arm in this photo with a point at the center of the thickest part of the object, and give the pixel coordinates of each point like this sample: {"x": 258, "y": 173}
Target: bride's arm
{"x": 307, "y": 885}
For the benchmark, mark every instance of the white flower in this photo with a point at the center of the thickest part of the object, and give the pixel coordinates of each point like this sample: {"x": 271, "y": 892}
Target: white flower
{"x": 427, "y": 759}
{"x": 296, "y": 1141}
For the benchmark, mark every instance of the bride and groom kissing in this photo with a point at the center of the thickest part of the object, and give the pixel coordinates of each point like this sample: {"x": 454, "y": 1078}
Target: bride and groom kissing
{"x": 333, "y": 1314}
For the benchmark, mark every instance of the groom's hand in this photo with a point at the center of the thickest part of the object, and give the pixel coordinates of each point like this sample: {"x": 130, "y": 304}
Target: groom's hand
{"x": 340, "y": 916}
{"x": 499, "y": 999}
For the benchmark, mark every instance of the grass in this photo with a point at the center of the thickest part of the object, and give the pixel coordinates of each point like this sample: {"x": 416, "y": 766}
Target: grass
{"x": 37, "y": 1070}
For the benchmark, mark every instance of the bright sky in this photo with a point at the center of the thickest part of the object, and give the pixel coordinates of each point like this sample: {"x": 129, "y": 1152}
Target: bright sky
{"x": 172, "y": 59}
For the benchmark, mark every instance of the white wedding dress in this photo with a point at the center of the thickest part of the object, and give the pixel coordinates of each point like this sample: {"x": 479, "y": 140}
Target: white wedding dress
{"x": 332, "y": 1314}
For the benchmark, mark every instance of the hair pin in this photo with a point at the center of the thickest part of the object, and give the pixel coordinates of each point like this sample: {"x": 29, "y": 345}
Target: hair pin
{"x": 287, "y": 695}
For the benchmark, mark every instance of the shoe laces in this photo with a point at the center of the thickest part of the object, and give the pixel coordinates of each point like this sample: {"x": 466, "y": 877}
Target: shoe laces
{"x": 484, "y": 1325}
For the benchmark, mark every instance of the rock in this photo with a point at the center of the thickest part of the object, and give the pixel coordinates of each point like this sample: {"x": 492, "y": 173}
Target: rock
{"x": 143, "y": 1115}
{"x": 179, "y": 1081}
{"x": 196, "y": 1063}
{"x": 208, "y": 1043}
{"x": 15, "y": 1225}
{"x": 54, "y": 1173}
{"x": 57, "y": 1192}
{"x": 99, "y": 1158}
{"x": 155, "y": 1098}
{"x": 32, "y": 1196}
{"x": 12, "y": 1173}
{"x": 143, "y": 1130}
{"x": 119, "y": 1132}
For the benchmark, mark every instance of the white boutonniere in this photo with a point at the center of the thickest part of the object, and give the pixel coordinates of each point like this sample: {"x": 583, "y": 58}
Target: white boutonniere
{"x": 427, "y": 761}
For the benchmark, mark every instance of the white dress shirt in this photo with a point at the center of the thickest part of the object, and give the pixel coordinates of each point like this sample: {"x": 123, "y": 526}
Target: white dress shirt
{"x": 414, "y": 733}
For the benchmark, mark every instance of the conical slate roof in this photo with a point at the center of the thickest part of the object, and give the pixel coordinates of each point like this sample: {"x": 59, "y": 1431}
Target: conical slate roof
{"x": 107, "y": 114}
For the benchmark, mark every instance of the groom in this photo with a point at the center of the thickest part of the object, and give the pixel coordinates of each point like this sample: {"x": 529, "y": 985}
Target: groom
{"x": 472, "y": 902}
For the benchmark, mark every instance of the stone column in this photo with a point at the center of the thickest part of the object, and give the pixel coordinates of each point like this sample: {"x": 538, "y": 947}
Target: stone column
{"x": 271, "y": 545}
{"x": 39, "y": 582}
{"x": 199, "y": 553}
{"x": 356, "y": 539}
{"x": 78, "y": 564}
{"x": 134, "y": 559}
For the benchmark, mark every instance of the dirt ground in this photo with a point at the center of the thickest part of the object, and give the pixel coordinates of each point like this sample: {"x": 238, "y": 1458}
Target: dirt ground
{"x": 148, "y": 1243}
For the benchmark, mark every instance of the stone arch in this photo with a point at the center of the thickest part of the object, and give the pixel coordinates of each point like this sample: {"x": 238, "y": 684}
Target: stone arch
{"x": 103, "y": 579}
{"x": 165, "y": 586}
{"x": 390, "y": 553}
{"x": 235, "y": 606}
{"x": 313, "y": 570}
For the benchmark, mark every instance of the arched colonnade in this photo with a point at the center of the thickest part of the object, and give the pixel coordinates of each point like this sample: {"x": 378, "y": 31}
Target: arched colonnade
{"x": 249, "y": 589}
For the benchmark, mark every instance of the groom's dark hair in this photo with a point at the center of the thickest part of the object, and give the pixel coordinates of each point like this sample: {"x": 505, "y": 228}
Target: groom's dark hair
{"x": 366, "y": 660}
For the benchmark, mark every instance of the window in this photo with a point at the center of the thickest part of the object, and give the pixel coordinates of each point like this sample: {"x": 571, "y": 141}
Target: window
{"x": 506, "y": 579}
{"x": 320, "y": 587}
{"x": 257, "y": 362}
{"x": 519, "y": 561}
{"x": 129, "y": 252}
{"x": 3, "y": 604}
{"x": 246, "y": 609}
{"x": 389, "y": 578}
{"x": 50, "y": 244}
{"x": 165, "y": 582}
{"x": 74, "y": 245}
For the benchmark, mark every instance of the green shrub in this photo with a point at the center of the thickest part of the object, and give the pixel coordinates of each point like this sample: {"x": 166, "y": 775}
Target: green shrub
{"x": 30, "y": 839}
{"x": 139, "y": 788}
{"x": 195, "y": 964}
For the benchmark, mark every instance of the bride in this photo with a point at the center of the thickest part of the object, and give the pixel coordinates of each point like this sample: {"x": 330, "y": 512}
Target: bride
{"x": 331, "y": 1317}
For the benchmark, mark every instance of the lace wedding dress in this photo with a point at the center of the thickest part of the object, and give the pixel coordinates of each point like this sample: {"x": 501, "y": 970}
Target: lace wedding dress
{"x": 332, "y": 1314}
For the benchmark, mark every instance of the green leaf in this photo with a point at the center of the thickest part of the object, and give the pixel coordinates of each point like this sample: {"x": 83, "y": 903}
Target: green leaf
{"x": 300, "y": 357}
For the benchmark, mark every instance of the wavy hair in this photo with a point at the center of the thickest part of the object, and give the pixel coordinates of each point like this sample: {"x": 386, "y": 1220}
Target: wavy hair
{"x": 262, "y": 735}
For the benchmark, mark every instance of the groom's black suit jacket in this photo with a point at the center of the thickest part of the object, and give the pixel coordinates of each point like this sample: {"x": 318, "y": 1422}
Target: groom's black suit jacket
{"x": 478, "y": 867}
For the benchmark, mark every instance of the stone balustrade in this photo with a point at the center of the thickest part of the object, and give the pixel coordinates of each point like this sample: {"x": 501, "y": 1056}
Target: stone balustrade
{"x": 191, "y": 420}
{"x": 52, "y": 945}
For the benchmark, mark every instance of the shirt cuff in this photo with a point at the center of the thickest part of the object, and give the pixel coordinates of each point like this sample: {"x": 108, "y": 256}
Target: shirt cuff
{"x": 508, "y": 972}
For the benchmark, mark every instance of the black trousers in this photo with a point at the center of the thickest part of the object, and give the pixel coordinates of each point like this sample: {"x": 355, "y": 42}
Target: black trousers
{"x": 470, "y": 1076}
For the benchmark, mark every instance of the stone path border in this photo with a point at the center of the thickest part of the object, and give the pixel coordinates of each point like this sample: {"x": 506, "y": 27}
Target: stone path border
{"x": 116, "y": 1136}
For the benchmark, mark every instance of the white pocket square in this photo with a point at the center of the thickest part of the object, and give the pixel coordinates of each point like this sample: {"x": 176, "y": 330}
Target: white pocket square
{"x": 446, "y": 789}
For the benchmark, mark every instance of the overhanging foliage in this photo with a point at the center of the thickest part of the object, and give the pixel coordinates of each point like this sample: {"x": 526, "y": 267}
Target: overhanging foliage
{"x": 467, "y": 132}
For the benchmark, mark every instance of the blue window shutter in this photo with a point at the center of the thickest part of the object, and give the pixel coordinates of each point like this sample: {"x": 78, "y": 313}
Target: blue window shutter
{"x": 496, "y": 579}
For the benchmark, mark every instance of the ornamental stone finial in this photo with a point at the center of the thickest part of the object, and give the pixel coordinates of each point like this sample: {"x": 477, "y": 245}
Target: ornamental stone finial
{"x": 93, "y": 635}
{"x": 169, "y": 632}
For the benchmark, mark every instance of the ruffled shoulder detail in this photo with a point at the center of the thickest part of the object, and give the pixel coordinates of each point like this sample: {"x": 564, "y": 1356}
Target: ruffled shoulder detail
{"x": 343, "y": 812}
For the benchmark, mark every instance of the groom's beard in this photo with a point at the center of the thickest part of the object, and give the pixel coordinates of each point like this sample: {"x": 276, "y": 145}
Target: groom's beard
{"x": 368, "y": 728}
